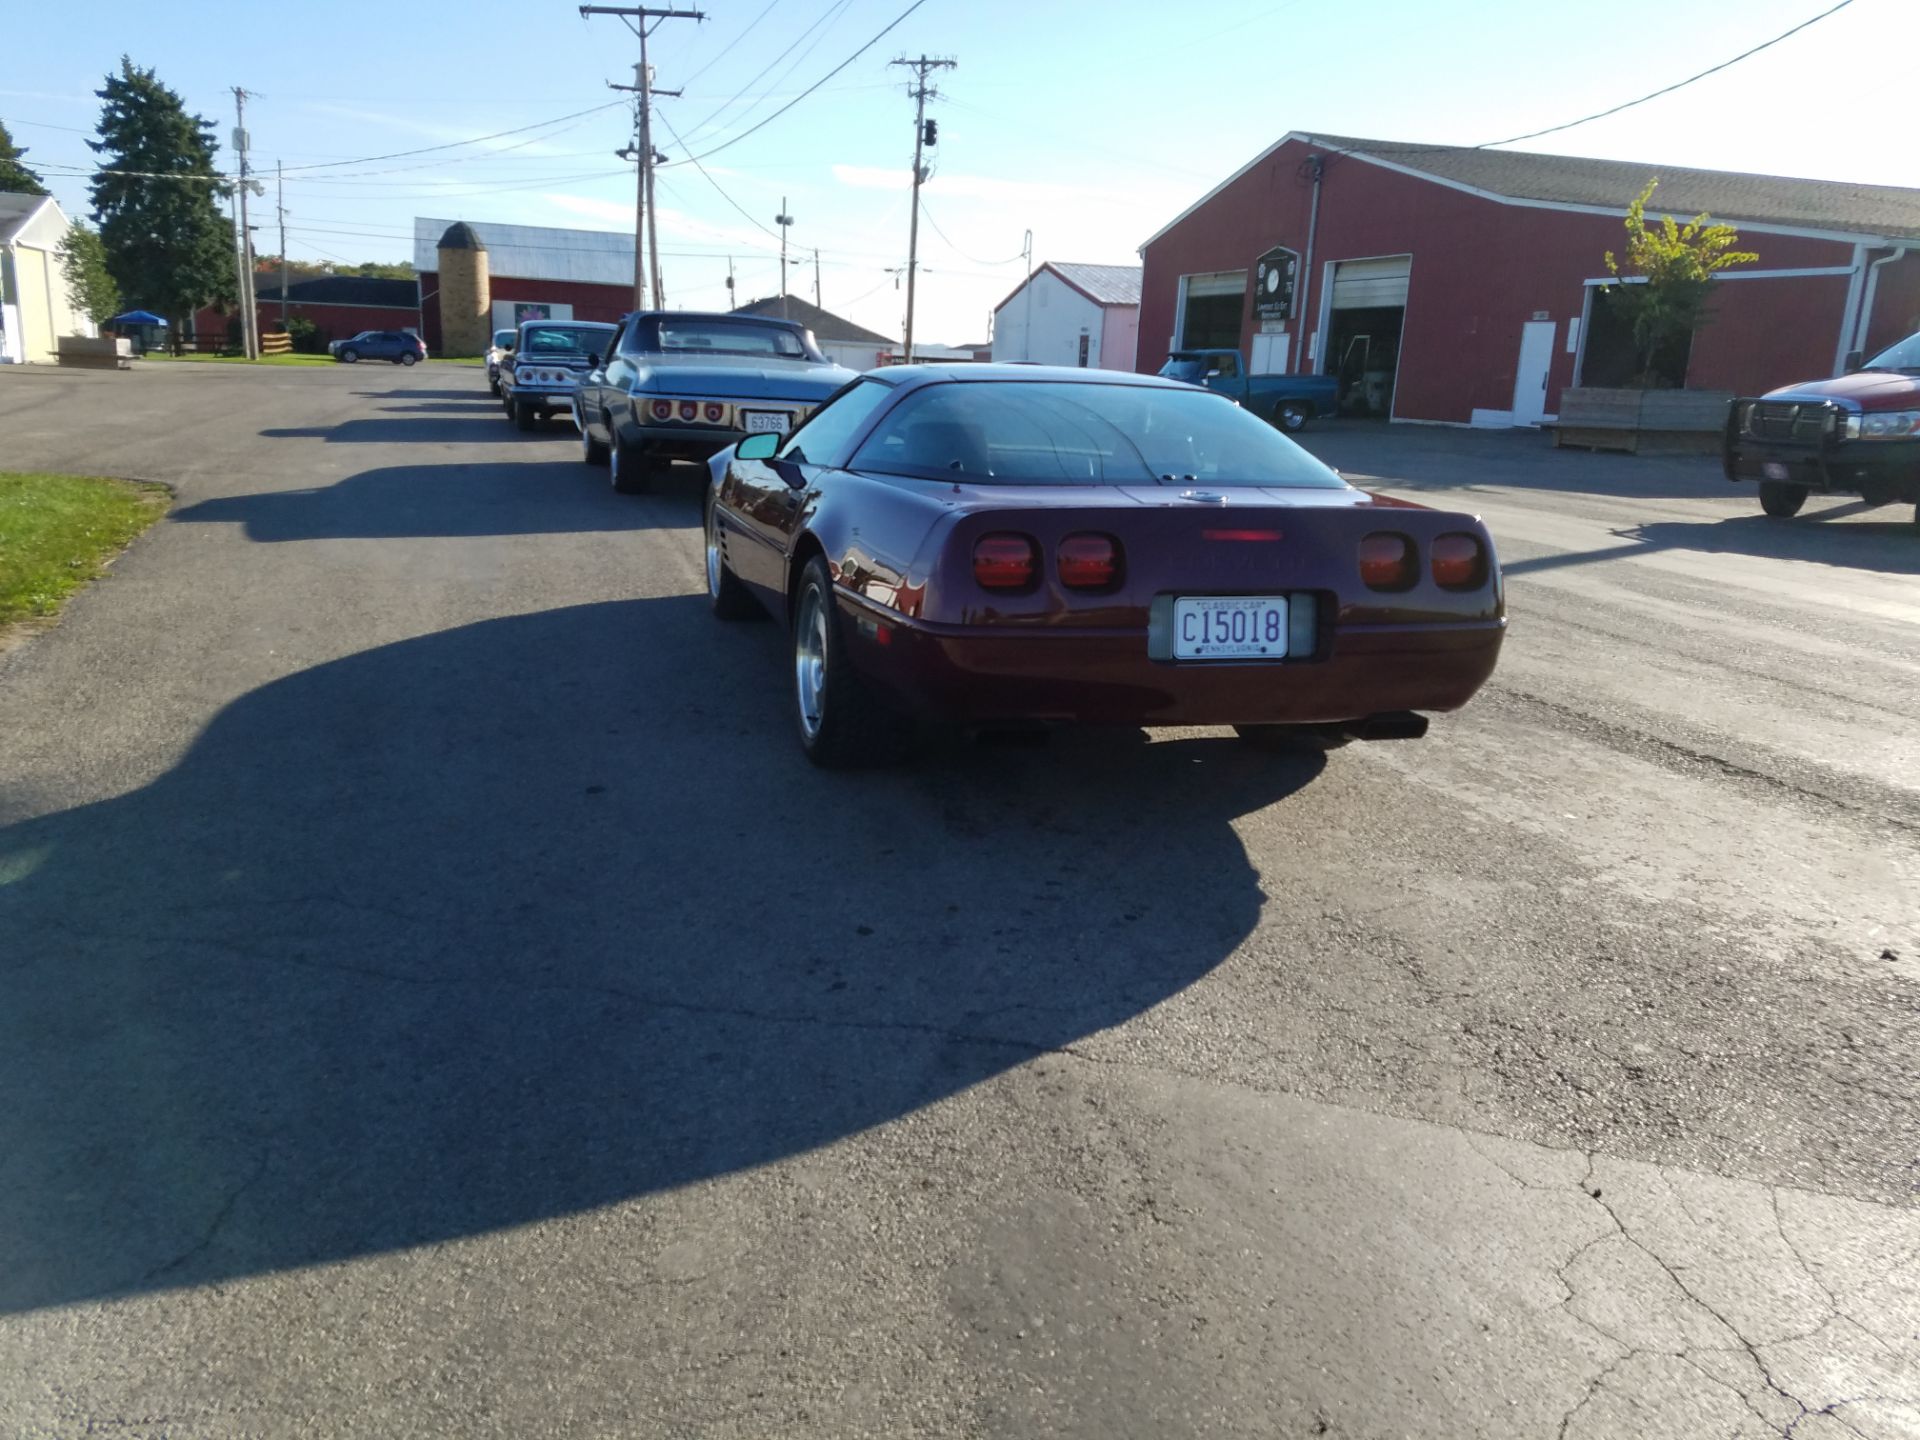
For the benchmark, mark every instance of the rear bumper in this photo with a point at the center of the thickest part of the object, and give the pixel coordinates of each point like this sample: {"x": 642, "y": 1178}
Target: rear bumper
{"x": 980, "y": 675}
{"x": 682, "y": 442}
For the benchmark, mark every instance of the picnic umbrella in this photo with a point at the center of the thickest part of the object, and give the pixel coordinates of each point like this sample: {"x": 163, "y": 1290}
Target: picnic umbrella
{"x": 137, "y": 317}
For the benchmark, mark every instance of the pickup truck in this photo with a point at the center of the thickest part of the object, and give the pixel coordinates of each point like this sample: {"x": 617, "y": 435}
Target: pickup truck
{"x": 1288, "y": 401}
{"x": 1856, "y": 434}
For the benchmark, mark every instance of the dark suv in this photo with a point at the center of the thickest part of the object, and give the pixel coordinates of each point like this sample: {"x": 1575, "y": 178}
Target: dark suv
{"x": 395, "y": 345}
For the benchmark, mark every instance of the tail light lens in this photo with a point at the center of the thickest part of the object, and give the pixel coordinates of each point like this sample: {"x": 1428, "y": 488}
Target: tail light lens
{"x": 1389, "y": 561}
{"x": 1005, "y": 562}
{"x": 663, "y": 409}
{"x": 1089, "y": 562}
{"x": 1459, "y": 561}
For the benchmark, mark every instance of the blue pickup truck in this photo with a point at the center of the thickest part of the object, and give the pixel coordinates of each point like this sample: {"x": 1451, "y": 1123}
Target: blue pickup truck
{"x": 1288, "y": 401}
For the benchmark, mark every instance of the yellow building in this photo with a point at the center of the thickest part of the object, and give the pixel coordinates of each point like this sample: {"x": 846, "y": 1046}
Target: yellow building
{"x": 34, "y": 309}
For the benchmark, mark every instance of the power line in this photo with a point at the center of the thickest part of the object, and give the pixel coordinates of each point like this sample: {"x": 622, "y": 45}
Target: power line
{"x": 826, "y": 15}
{"x": 728, "y": 144}
{"x": 1668, "y": 90}
{"x": 693, "y": 160}
{"x": 973, "y": 259}
{"x": 751, "y": 24}
{"x": 456, "y": 144}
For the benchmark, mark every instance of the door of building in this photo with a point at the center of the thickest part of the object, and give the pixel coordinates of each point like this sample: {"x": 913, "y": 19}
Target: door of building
{"x": 1269, "y": 354}
{"x": 1530, "y": 374}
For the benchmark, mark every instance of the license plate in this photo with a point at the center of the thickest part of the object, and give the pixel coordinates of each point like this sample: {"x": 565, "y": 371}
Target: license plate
{"x": 762, "y": 422}
{"x": 1774, "y": 470}
{"x": 1230, "y": 627}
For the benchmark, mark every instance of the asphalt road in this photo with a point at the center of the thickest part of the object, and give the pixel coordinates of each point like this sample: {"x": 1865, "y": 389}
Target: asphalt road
{"x": 437, "y": 999}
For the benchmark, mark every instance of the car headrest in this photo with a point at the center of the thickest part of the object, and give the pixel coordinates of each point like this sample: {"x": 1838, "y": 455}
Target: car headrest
{"x": 947, "y": 445}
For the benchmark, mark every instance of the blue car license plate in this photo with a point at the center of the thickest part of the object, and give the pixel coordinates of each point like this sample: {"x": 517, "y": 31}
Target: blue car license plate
{"x": 1230, "y": 627}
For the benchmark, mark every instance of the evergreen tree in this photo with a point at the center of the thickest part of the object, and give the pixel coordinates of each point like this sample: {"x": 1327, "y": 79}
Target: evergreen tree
{"x": 168, "y": 246}
{"x": 15, "y": 177}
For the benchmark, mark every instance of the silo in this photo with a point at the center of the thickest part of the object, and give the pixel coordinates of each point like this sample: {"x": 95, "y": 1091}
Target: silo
{"x": 466, "y": 293}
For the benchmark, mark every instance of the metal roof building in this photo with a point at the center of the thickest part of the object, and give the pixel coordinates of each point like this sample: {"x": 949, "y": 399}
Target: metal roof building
{"x": 1068, "y": 313}
{"x": 533, "y": 270}
{"x": 1460, "y": 285}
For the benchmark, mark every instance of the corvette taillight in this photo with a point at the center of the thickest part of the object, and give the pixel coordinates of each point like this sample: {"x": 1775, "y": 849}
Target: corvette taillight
{"x": 1459, "y": 561}
{"x": 1088, "y": 561}
{"x": 1388, "y": 561}
{"x": 1005, "y": 561}
{"x": 662, "y": 409}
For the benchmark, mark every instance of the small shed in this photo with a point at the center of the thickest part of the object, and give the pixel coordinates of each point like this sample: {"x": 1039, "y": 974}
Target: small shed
{"x": 1071, "y": 314}
{"x": 35, "y": 310}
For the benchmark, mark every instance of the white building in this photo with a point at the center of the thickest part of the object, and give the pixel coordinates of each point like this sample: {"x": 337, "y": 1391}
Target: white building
{"x": 1063, "y": 314}
{"x": 34, "y": 309}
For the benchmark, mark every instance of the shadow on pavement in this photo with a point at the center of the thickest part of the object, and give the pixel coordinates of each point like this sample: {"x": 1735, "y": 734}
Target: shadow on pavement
{"x": 542, "y": 914}
{"x": 477, "y": 424}
{"x": 478, "y": 391}
{"x": 1421, "y": 457}
{"x": 1888, "y": 546}
{"x": 558, "y": 495}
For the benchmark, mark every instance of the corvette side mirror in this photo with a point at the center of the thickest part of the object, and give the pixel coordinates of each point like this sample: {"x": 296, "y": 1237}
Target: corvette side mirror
{"x": 1852, "y": 362}
{"x": 757, "y": 447}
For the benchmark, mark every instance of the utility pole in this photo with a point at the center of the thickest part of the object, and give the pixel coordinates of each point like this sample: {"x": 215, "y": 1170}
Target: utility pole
{"x": 1026, "y": 322}
{"x": 784, "y": 221}
{"x": 644, "y": 228}
{"x": 816, "y": 281}
{"x": 923, "y": 134}
{"x": 731, "y": 297}
{"x": 249, "y": 319}
{"x": 280, "y": 204}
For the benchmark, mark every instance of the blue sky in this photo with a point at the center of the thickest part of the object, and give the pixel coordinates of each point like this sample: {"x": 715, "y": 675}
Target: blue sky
{"x": 1090, "y": 124}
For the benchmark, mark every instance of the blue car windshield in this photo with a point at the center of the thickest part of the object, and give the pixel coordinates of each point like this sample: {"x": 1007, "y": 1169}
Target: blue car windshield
{"x": 1065, "y": 432}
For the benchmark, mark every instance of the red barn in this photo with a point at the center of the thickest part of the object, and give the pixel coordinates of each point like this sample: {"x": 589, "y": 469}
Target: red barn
{"x": 338, "y": 305}
{"x": 534, "y": 271}
{"x": 1458, "y": 286}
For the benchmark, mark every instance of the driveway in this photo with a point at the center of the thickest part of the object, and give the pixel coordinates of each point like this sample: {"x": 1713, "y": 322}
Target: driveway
{"x": 437, "y": 999}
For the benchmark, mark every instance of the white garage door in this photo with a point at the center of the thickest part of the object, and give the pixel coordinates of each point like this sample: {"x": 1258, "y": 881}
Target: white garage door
{"x": 1361, "y": 284}
{"x": 1221, "y": 282}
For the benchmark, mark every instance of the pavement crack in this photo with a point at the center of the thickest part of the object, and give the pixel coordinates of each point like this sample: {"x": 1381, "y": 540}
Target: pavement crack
{"x": 214, "y": 1225}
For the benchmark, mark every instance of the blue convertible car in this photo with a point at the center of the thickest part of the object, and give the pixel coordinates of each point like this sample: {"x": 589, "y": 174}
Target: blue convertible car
{"x": 680, "y": 385}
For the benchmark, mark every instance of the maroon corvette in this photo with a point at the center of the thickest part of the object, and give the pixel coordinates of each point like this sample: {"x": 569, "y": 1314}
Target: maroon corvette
{"x": 991, "y": 544}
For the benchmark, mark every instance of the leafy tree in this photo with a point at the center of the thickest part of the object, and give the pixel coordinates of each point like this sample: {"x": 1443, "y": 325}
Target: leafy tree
{"x": 384, "y": 270}
{"x": 1677, "y": 263}
{"x": 15, "y": 177}
{"x": 168, "y": 246}
{"x": 90, "y": 285}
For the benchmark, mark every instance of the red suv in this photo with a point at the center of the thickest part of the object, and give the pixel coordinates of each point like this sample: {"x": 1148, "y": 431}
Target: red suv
{"x": 1857, "y": 434}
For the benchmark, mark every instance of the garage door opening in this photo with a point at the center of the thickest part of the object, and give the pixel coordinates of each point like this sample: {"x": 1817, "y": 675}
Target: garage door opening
{"x": 1369, "y": 310}
{"x": 1211, "y": 307}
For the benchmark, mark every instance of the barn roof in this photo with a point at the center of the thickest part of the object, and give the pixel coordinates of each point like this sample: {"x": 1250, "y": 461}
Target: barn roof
{"x": 824, "y": 324}
{"x": 535, "y": 252}
{"x": 1102, "y": 284}
{"x": 1579, "y": 183}
{"x": 1106, "y": 284}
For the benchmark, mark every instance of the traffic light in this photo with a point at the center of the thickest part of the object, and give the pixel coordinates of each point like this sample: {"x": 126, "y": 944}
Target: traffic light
{"x": 930, "y": 132}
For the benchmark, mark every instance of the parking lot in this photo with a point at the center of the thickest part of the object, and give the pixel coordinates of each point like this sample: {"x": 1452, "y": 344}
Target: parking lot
{"x": 440, "y": 999}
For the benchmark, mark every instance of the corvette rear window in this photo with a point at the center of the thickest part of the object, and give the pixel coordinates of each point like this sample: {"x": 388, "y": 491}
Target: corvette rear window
{"x": 1027, "y": 432}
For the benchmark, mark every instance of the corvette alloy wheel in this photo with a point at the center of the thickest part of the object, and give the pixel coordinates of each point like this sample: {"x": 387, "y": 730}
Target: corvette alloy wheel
{"x": 810, "y": 662}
